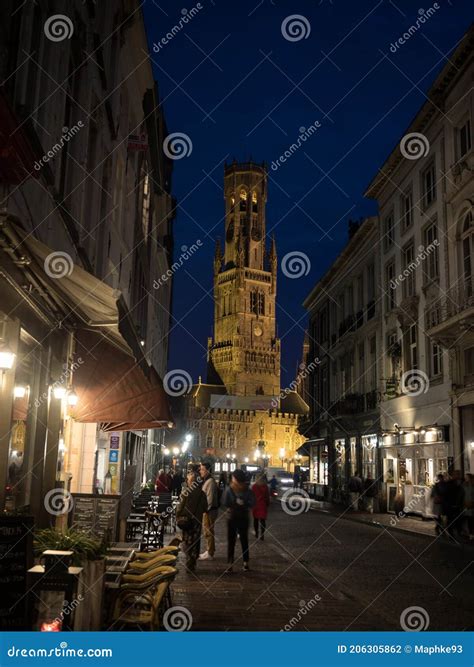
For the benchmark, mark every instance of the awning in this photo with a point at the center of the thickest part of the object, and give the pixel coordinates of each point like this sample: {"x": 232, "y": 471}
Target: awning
{"x": 112, "y": 389}
{"x": 115, "y": 384}
{"x": 305, "y": 448}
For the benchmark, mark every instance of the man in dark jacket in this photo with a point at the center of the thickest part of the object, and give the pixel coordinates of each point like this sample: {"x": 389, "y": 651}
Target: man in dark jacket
{"x": 191, "y": 507}
{"x": 238, "y": 499}
{"x": 454, "y": 504}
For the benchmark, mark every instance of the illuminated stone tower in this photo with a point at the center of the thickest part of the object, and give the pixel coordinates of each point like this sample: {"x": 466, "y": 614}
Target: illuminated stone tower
{"x": 245, "y": 353}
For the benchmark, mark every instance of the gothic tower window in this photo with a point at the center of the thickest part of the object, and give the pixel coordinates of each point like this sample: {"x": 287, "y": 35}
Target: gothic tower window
{"x": 254, "y": 202}
{"x": 257, "y": 302}
{"x": 243, "y": 200}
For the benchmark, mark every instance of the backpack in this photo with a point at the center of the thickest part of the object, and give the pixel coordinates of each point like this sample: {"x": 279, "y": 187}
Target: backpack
{"x": 240, "y": 505}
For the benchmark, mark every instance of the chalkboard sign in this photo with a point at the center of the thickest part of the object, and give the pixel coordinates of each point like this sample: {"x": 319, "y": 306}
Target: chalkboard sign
{"x": 96, "y": 515}
{"x": 16, "y": 557}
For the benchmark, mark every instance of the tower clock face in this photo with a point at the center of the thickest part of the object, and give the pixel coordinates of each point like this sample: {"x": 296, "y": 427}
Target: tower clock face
{"x": 258, "y": 331}
{"x": 230, "y": 232}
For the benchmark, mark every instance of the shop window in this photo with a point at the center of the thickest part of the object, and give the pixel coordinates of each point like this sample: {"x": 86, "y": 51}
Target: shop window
{"x": 428, "y": 185}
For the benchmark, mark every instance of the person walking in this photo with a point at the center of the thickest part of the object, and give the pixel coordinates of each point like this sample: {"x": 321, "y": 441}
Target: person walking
{"x": 454, "y": 504}
{"x": 438, "y": 495}
{"x": 260, "y": 510}
{"x": 211, "y": 490}
{"x": 238, "y": 499}
{"x": 176, "y": 482}
{"x": 189, "y": 512}
{"x": 296, "y": 480}
{"x": 369, "y": 492}
{"x": 162, "y": 483}
{"x": 273, "y": 485}
{"x": 355, "y": 489}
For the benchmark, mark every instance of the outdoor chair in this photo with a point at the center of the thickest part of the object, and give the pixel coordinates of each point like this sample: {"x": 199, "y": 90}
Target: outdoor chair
{"x": 141, "y": 600}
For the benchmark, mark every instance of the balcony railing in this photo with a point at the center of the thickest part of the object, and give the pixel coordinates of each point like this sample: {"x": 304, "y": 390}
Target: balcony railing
{"x": 353, "y": 404}
{"x": 456, "y": 300}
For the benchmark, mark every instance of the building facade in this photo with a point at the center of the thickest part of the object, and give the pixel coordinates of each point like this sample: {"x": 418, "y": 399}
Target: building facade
{"x": 413, "y": 354}
{"x": 239, "y": 415}
{"x": 424, "y": 192}
{"x": 344, "y": 335}
{"x": 86, "y": 227}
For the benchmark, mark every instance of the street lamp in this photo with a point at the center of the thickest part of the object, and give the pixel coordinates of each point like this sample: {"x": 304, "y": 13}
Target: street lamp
{"x": 246, "y": 459}
{"x": 166, "y": 451}
{"x": 188, "y": 437}
{"x": 176, "y": 451}
{"x": 282, "y": 455}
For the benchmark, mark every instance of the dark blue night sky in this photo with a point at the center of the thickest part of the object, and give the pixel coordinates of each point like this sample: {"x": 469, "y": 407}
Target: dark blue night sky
{"x": 238, "y": 88}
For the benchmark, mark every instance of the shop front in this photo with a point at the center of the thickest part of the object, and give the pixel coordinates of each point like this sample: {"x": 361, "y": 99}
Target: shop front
{"x": 411, "y": 459}
{"x": 318, "y": 451}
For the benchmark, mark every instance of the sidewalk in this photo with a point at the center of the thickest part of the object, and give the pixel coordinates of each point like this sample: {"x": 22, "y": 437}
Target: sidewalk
{"x": 279, "y": 592}
{"x": 408, "y": 524}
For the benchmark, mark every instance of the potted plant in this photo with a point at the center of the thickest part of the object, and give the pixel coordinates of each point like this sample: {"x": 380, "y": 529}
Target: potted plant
{"x": 88, "y": 553}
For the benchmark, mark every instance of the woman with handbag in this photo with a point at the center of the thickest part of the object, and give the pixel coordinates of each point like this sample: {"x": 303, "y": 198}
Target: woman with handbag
{"x": 191, "y": 506}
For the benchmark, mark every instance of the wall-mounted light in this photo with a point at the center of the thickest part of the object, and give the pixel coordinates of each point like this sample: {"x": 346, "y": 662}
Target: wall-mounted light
{"x": 142, "y": 343}
{"x": 7, "y": 358}
{"x": 166, "y": 451}
{"x": 72, "y": 397}
{"x": 176, "y": 451}
{"x": 59, "y": 391}
{"x": 246, "y": 459}
{"x": 188, "y": 437}
{"x": 19, "y": 391}
{"x": 227, "y": 456}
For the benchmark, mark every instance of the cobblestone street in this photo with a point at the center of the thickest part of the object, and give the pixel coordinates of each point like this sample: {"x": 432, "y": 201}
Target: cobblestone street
{"x": 365, "y": 576}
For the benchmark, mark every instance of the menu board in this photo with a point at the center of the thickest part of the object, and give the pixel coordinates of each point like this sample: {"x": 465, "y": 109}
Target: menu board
{"x": 16, "y": 557}
{"x": 96, "y": 515}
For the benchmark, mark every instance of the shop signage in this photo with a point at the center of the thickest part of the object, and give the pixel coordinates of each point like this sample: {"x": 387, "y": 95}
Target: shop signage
{"x": 137, "y": 142}
{"x": 16, "y": 557}
{"x": 114, "y": 442}
{"x": 113, "y": 456}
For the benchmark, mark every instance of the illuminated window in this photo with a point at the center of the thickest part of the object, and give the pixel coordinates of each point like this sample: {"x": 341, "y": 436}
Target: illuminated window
{"x": 243, "y": 200}
{"x": 254, "y": 202}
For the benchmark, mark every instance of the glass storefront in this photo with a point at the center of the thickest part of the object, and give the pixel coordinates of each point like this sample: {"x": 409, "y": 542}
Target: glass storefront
{"x": 410, "y": 462}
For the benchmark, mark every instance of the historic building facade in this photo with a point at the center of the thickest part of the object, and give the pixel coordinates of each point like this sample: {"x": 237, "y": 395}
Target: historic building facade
{"x": 344, "y": 335}
{"x": 238, "y": 415}
{"x": 417, "y": 345}
{"x": 85, "y": 229}
{"x": 424, "y": 192}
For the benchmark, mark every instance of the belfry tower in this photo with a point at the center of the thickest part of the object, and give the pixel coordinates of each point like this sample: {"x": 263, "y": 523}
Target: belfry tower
{"x": 245, "y": 352}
